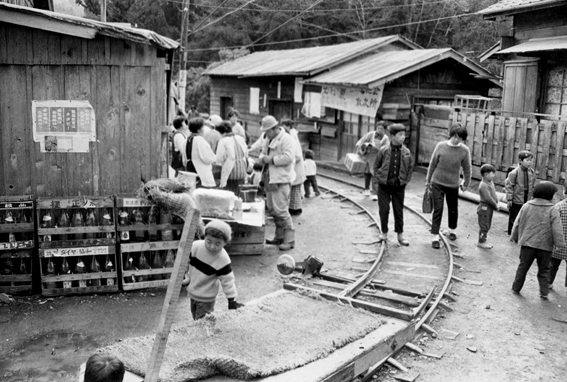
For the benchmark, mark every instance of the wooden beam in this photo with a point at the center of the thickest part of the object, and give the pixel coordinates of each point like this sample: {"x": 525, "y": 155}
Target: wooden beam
{"x": 385, "y": 310}
{"x": 48, "y": 24}
{"x": 172, "y": 295}
{"x": 381, "y": 286}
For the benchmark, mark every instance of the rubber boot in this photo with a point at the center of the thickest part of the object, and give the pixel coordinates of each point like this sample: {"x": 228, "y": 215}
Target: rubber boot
{"x": 289, "y": 240}
{"x": 278, "y": 237}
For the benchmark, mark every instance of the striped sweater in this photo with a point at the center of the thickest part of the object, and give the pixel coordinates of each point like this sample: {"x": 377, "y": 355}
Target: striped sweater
{"x": 207, "y": 272}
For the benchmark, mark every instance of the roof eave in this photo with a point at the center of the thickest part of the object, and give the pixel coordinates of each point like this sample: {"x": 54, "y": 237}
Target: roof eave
{"x": 492, "y": 15}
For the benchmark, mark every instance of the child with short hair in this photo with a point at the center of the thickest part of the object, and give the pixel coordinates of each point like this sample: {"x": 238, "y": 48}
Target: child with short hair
{"x": 104, "y": 368}
{"x": 559, "y": 253}
{"x": 488, "y": 204}
{"x": 519, "y": 186}
{"x": 311, "y": 174}
{"x": 209, "y": 268}
{"x": 537, "y": 229}
{"x": 393, "y": 169}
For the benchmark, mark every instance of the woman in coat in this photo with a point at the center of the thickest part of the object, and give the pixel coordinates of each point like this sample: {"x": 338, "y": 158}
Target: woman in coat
{"x": 232, "y": 155}
{"x": 200, "y": 156}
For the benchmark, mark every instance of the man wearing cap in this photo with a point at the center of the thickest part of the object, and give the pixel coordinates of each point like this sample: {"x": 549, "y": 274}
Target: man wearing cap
{"x": 278, "y": 174}
{"x": 212, "y": 135}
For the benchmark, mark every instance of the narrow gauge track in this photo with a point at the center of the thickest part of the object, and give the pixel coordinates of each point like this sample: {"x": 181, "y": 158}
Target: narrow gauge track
{"x": 407, "y": 283}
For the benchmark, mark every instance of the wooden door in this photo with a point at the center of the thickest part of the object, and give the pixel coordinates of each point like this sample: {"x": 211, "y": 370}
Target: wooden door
{"x": 225, "y": 106}
{"x": 520, "y": 86}
{"x": 349, "y": 134}
{"x": 281, "y": 109}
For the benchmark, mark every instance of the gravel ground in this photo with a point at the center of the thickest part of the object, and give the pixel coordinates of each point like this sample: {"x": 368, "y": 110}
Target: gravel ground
{"x": 501, "y": 336}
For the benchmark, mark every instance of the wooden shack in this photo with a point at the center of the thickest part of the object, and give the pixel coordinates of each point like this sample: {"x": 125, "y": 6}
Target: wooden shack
{"x": 534, "y": 55}
{"x": 386, "y": 76}
{"x": 122, "y": 72}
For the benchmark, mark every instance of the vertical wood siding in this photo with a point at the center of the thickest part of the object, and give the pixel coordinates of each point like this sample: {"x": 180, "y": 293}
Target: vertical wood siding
{"x": 125, "y": 84}
{"x": 498, "y": 139}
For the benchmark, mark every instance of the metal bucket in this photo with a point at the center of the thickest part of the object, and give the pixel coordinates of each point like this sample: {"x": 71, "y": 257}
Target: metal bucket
{"x": 248, "y": 196}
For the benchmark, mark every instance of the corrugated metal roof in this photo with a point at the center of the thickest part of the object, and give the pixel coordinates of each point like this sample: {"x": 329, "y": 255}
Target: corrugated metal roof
{"x": 509, "y": 6}
{"x": 538, "y": 44}
{"x": 304, "y": 61}
{"x": 381, "y": 67}
{"x": 9, "y": 11}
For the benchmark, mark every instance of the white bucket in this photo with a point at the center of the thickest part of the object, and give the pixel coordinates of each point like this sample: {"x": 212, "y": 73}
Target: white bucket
{"x": 188, "y": 179}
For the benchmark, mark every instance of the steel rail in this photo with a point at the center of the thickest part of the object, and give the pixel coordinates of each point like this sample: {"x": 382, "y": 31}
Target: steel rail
{"x": 435, "y": 304}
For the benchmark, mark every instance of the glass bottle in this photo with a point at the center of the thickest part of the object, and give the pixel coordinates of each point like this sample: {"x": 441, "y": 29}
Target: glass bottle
{"x": 109, "y": 267}
{"x": 66, "y": 270}
{"x": 129, "y": 266}
{"x": 78, "y": 222}
{"x": 90, "y": 221}
{"x": 107, "y": 221}
{"x": 165, "y": 218}
{"x": 169, "y": 262}
{"x": 152, "y": 222}
{"x": 156, "y": 264}
{"x": 95, "y": 268}
{"x": 9, "y": 219}
{"x": 50, "y": 272}
{"x": 47, "y": 222}
{"x": 63, "y": 223}
{"x": 124, "y": 221}
{"x": 80, "y": 269}
{"x": 143, "y": 264}
{"x": 138, "y": 218}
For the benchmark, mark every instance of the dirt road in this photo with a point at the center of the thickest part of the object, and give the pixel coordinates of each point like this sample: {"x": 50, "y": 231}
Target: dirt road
{"x": 514, "y": 337}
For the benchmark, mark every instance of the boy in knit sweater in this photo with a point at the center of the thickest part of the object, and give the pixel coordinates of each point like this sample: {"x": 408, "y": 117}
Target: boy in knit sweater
{"x": 209, "y": 268}
{"x": 443, "y": 177}
{"x": 488, "y": 204}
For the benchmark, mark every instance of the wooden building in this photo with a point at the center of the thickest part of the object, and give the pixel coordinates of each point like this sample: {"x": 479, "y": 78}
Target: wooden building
{"x": 387, "y": 76}
{"x": 534, "y": 54}
{"x": 122, "y": 72}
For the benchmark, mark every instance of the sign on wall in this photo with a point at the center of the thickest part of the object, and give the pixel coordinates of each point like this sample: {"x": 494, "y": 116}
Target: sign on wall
{"x": 356, "y": 101}
{"x": 63, "y": 126}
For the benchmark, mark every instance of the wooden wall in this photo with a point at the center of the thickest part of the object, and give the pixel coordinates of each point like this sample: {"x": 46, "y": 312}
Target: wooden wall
{"x": 497, "y": 139}
{"x": 540, "y": 23}
{"x": 125, "y": 84}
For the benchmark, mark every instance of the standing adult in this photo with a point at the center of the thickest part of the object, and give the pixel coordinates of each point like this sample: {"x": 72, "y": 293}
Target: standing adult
{"x": 179, "y": 141}
{"x": 211, "y": 135}
{"x": 443, "y": 176}
{"x": 296, "y": 198}
{"x": 367, "y": 147}
{"x": 279, "y": 161}
{"x": 200, "y": 156}
{"x": 237, "y": 128}
{"x": 232, "y": 156}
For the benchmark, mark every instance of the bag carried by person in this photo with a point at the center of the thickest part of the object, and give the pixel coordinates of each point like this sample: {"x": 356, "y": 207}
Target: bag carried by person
{"x": 240, "y": 163}
{"x": 427, "y": 204}
{"x": 189, "y": 151}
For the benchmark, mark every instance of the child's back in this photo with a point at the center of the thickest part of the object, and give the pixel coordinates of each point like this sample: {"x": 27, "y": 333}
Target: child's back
{"x": 310, "y": 167}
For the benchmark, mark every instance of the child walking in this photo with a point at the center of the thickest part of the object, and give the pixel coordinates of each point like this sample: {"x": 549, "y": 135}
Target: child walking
{"x": 559, "y": 253}
{"x": 311, "y": 173}
{"x": 519, "y": 186}
{"x": 537, "y": 229}
{"x": 209, "y": 268}
{"x": 393, "y": 169}
{"x": 488, "y": 204}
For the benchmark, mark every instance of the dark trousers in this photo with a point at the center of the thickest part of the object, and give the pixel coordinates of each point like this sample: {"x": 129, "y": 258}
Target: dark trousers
{"x": 512, "y": 215}
{"x": 311, "y": 181}
{"x": 452, "y": 196}
{"x": 396, "y": 195}
{"x": 484, "y": 222}
{"x": 527, "y": 257}
{"x": 200, "y": 309}
{"x": 555, "y": 263}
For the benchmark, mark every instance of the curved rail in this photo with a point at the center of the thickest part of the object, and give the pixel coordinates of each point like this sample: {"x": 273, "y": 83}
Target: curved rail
{"x": 421, "y": 323}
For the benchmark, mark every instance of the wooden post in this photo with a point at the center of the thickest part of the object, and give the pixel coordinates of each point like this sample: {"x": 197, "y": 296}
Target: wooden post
{"x": 172, "y": 295}
{"x": 182, "y": 82}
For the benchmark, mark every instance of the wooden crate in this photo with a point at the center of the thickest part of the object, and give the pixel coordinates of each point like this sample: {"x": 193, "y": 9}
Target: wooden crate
{"x": 74, "y": 234}
{"x": 148, "y": 241}
{"x": 18, "y": 255}
{"x": 248, "y": 234}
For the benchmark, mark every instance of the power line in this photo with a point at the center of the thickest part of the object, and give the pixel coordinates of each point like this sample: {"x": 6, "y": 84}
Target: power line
{"x": 288, "y": 21}
{"x": 222, "y": 17}
{"x": 209, "y": 15}
{"x": 351, "y": 9}
{"x": 334, "y": 35}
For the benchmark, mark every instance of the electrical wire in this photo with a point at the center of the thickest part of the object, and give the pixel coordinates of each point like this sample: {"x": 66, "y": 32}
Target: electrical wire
{"x": 220, "y": 18}
{"x": 334, "y": 35}
{"x": 201, "y": 22}
{"x": 288, "y": 21}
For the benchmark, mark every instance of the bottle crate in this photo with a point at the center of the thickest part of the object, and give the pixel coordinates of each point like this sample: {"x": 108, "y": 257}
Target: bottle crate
{"x": 77, "y": 245}
{"x": 149, "y": 237}
{"x": 18, "y": 255}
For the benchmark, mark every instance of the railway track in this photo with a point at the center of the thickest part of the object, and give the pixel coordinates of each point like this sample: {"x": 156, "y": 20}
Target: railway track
{"x": 400, "y": 283}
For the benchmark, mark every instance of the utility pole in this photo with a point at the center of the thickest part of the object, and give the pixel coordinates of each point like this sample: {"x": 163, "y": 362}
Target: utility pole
{"x": 103, "y": 11}
{"x": 182, "y": 82}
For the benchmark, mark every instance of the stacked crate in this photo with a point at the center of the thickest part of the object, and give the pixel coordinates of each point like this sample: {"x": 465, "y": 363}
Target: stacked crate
{"x": 17, "y": 247}
{"x": 77, "y": 245}
{"x": 148, "y": 236}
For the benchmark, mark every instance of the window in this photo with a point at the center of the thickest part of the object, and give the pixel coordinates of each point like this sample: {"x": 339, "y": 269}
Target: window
{"x": 556, "y": 91}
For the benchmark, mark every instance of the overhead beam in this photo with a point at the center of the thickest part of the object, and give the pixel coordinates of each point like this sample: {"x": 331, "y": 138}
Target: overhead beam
{"x": 48, "y": 24}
